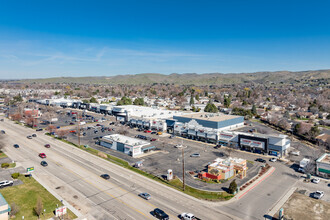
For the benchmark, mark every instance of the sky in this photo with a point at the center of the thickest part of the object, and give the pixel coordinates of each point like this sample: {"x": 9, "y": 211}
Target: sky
{"x": 55, "y": 38}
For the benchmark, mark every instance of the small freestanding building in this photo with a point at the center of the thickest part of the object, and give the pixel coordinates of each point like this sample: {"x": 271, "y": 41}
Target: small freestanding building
{"x": 323, "y": 166}
{"x": 4, "y": 208}
{"x": 131, "y": 146}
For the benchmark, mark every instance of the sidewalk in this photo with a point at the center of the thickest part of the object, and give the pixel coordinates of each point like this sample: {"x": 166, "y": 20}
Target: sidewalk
{"x": 74, "y": 210}
{"x": 281, "y": 202}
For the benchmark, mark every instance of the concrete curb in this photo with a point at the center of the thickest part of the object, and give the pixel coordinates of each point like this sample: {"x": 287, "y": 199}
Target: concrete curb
{"x": 254, "y": 184}
{"x": 281, "y": 202}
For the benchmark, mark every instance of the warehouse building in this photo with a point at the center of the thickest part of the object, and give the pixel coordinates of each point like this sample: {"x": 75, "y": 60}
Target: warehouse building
{"x": 131, "y": 146}
{"x": 323, "y": 166}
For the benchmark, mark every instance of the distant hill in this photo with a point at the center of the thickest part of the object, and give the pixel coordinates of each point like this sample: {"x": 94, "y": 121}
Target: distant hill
{"x": 193, "y": 78}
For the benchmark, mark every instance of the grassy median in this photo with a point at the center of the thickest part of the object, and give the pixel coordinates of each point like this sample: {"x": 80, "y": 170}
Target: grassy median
{"x": 176, "y": 183}
{"x": 25, "y": 197}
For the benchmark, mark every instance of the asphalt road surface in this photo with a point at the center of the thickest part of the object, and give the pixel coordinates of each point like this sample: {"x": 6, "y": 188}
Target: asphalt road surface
{"x": 75, "y": 175}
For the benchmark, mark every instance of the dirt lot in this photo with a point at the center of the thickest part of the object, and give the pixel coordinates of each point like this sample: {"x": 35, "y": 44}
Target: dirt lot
{"x": 300, "y": 206}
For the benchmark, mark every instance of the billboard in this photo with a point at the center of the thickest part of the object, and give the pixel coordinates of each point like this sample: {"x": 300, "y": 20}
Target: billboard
{"x": 60, "y": 211}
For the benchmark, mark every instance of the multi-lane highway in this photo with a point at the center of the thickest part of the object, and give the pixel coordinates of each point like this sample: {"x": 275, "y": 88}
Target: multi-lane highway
{"x": 75, "y": 176}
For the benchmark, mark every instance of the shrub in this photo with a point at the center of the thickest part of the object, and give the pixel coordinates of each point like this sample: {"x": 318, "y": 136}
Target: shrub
{"x": 5, "y": 165}
{"x": 15, "y": 175}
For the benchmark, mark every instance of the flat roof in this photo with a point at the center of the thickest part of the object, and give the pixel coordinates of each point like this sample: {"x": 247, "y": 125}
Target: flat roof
{"x": 210, "y": 116}
{"x": 325, "y": 158}
{"x": 125, "y": 140}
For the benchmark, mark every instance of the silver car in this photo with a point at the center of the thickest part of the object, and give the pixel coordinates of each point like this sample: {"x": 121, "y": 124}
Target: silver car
{"x": 145, "y": 196}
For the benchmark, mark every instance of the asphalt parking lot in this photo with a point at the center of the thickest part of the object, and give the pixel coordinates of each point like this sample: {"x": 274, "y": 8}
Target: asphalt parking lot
{"x": 169, "y": 157}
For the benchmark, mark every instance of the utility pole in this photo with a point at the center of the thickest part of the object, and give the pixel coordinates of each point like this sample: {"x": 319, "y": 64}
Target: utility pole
{"x": 78, "y": 129}
{"x": 183, "y": 174}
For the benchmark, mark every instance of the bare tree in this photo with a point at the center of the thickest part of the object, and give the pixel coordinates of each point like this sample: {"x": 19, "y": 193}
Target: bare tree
{"x": 14, "y": 209}
{"x": 39, "y": 207}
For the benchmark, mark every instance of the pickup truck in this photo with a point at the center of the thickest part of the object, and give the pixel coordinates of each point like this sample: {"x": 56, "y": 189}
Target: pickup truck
{"x": 188, "y": 216}
{"x": 5, "y": 183}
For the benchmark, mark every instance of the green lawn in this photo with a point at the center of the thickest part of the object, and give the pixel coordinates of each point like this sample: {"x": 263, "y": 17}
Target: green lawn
{"x": 25, "y": 197}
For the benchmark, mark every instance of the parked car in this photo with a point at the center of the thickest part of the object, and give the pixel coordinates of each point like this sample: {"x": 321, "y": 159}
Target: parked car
{"x": 160, "y": 214}
{"x": 295, "y": 153}
{"x": 39, "y": 129}
{"x": 73, "y": 131}
{"x": 273, "y": 159}
{"x": 159, "y": 133}
{"x": 34, "y": 135}
{"x": 16, "y": 146}
{"x": 318, "y": 194}
{"x": 29, "y": 137}
{"x": 111, "y": 123}
{"x": 154, "y": 132}
{"x": 5, "y": 183}
{"x": 316, "y": 180}
{"x": 301, "y": 170}
{"x": 145, "y": 196}
{"x": 43, "y": 163}
{"x": 195, "y": 155}
{"x": 147, "y": 131}
{"x": 187, "y": 216}
{"x": 153, "y": 139}
{"x": 261, "y": 160}
{"x": 42, "y": 155}
{"x": 71, "y": 123}
{"x": 3, "y": 132}
{"x": 105, "y": 176}
{"x": 217, "y": 146}
{"x": 47, "y": 145}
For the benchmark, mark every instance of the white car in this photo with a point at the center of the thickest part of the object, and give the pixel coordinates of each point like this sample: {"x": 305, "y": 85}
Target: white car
{"x": 295, "y": 153}
{"x": 187, "y": 216}
{"x": 316, "y": 180}
{"x": 273, "y": 159}
{"x": 5, "y": 183}
{"x": 318, "y": 194}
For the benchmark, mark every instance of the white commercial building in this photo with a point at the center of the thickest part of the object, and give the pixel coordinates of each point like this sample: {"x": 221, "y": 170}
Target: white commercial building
{"x": 127, "y": 145}
{"x": 323, "y": 165}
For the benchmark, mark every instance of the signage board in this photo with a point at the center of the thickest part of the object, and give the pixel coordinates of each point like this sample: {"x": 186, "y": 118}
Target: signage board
{"x": 30, "y": 169}
{"x": 60, "y": 211}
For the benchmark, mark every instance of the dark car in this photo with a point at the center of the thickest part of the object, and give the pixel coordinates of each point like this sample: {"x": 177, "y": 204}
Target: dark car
{"x": 160, "y": 214}
{"x": 16, "y": 146}
{"x": 43, "y": 163}
{"x": 34, "y": 135}
{"x": 39, "y": 129}
{"x": 154, "y": 132}
{"x": 218, "y": 146}
{"x": 261, "y": 160}
{"x": 71, "y": 123}
{"x": 3, "y": 132}
{"x": 47, "y": 145}
{"x": 105, "y": 176}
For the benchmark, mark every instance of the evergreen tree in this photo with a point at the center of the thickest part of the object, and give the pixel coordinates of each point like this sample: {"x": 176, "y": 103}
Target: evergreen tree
{"x": 192, "y": 100}
{"x": 232, "y": 187}
{"x": 254, "y": 110}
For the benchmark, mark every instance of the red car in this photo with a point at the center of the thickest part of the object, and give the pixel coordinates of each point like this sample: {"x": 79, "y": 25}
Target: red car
{"x": 47, "y": 145}
{"x": 153, "y": 139}
{"x": 42, "y": 155}
{"x": 147, "y": 131}
{"x": 73, "y": 131}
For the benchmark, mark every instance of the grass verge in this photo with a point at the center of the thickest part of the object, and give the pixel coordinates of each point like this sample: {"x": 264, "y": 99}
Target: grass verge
{"x": 199, "y": 194}
{"x": 2, "y": 154}
{"x": 25, "y": 197}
